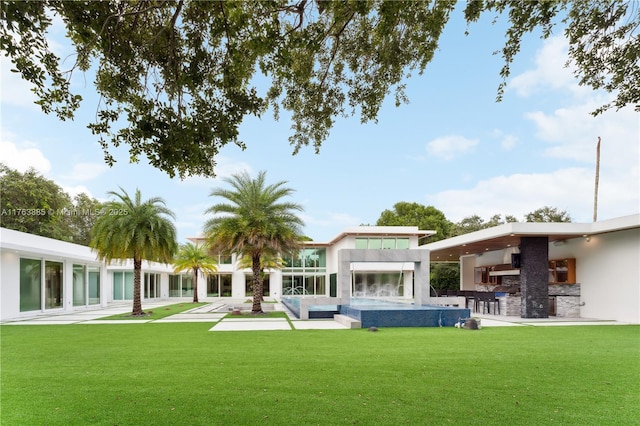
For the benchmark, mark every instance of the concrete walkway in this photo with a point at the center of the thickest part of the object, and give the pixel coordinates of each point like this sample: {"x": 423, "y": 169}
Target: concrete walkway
{"x": 211, "y": 313}
{"x": 215, "y": 313}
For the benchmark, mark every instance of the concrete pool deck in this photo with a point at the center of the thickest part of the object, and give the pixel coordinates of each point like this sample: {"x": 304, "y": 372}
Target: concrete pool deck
{"x": 210, "y": 314}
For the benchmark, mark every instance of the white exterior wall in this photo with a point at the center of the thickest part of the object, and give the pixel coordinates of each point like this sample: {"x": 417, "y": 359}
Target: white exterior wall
{"x": 609, "y": 274}
{"x": 467, "y": 273}
{"x": 15, "y": 245}
{"x": 9, "y": 284}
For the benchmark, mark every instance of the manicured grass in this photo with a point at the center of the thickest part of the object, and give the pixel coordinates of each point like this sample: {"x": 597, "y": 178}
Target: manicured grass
{"x": 157, "y": 313}
{"x": 182, "y": 374}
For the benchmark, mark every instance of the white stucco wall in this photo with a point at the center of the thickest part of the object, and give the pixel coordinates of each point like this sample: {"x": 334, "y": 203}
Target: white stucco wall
{"x": 609, "y": 273}
{"x": 15, "y": 245}
{"x": 9, "y": 284}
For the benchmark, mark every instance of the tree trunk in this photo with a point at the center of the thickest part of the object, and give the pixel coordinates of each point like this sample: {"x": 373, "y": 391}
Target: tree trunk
{"x": 137, "y": 301}
{"x": 195, "y": 285}
{"x": 257, "y": 284}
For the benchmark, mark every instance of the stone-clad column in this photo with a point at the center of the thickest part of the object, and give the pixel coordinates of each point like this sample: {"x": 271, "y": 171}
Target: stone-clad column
{"x": 534, "y": 277}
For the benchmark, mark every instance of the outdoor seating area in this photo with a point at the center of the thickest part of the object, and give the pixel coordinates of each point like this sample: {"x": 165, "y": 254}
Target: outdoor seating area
{"x": 485, "y": 302}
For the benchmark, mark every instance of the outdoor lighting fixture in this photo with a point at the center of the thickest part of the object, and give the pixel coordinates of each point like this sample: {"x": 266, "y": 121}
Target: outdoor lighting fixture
{"x": 587, "y": 238}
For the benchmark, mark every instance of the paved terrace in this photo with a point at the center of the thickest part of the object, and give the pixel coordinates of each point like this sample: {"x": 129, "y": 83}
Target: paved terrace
{"x": 216, "y": 312}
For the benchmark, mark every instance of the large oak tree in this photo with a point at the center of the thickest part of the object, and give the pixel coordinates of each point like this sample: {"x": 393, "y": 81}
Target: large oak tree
{"x": 31, "y": 203}
{"x": 176, "y": 78}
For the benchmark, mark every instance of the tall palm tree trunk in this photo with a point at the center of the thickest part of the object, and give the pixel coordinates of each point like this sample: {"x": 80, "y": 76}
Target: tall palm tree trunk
{"x": 257, "y": 285}
{"x": 137, "y": 300}
{"x": 195, "y": 285}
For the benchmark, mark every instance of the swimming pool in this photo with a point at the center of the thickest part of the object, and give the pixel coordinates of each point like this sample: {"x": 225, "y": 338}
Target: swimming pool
{"x": 383, "y": 313}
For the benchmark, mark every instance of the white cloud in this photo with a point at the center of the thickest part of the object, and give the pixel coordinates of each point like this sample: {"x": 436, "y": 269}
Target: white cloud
{"x": 570, "y": 189}
{"x": 448, "y": 147}
{"x": 572, "y": 133}
{"x": 75, "y": 190}
{"x": 24, "y": 156}
{"x": 85, "y": 171}
{"x": 550, "y": 71}
{"x": 507, "y": 141}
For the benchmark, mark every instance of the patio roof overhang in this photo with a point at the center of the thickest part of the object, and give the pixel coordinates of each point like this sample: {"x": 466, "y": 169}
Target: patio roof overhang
{"x": 509, "y": 235}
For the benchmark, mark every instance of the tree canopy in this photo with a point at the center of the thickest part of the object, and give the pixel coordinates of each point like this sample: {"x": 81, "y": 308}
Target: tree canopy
{"x": 414, "y": 214}
{"x": 31, "y": 203}
{"x": 176, "y": 79}
{"x": 548, "y": 214}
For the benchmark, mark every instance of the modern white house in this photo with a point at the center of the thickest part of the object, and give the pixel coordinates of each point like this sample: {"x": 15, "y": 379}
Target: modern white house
{"x": 587, "y": 270}
{"x": 42, "y": 275}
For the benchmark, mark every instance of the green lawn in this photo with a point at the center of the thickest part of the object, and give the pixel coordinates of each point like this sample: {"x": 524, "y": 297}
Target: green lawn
{"x": 182, "y": 374}
{"x": 156, "y": 313}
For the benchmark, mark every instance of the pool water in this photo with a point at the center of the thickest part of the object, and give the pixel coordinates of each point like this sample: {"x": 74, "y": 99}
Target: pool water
{"x": 382, "y": 313}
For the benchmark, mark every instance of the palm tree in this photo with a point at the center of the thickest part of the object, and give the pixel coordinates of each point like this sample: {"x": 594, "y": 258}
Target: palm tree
{"x": 253, "y": 221}
{"x": 268, "y": 260}
{"x": 196, "y": 258}
{"x": 135, "y": 229}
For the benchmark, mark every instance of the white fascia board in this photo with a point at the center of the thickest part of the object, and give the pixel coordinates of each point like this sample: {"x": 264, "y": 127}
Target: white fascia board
{"x": 537, "y": 228}
{"x": 36, "y": 245}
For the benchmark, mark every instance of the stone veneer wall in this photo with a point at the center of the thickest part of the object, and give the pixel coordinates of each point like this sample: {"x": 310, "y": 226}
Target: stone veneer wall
{"x": 567, "y": 299}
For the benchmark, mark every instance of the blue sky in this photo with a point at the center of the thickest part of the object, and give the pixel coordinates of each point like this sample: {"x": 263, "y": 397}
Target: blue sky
{"x": 452, "y": 146}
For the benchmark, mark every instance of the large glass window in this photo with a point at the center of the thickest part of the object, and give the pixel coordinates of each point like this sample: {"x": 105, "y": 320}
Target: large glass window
{"x": 79, "y": 285}
{"x": 375, "y": 243}
{"x": 219, "y": 285}
{"x": 123, "y": 285}
{"x": 333, "y": 285}
{"x": 94, "y": 285}
{"x": 305, "y": 273}
{"x": 128, "y": 285}
{"x": 293, "y": 284}
{"x": 315, "y": 257}
{"x": 187, "y": 286}
{"x": 382, "y": 243}
{"x": 248, "y": 288}
{"x": 30, "y": 284}
{"x": 174, "y": 285}
{"x": 402, "y": 243}
{"x": 151, "y": 285}
{"x": 118, "y": 286}
{"x": 389, "y": 243}
{"x": 53, "y": 284}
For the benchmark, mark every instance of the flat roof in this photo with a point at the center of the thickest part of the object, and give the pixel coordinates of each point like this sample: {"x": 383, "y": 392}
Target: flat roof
{"x": 508, "y": 235}
{"x": 372, "y": 231}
